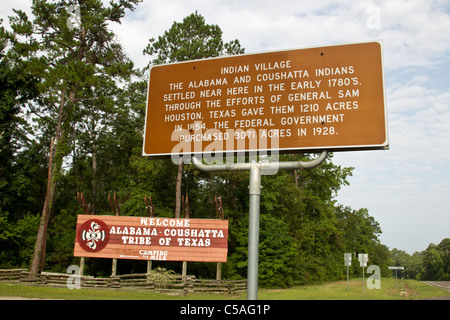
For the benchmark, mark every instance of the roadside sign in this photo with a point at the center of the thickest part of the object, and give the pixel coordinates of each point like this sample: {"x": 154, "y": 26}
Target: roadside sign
{"x": 363, "y": 258}
{"x": 347, "y": 259}
{"x": 144, "y": 238}
{"x": 296, "y": 100}
{"x": 396, "y": 268}
{"x": 348, "y": 263}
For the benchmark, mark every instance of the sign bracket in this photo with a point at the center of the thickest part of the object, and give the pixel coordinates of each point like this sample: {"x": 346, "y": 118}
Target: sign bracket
{"x": 255, "y": 194}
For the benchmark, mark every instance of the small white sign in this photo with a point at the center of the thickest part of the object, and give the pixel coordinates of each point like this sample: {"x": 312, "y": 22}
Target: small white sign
{"x": 363, "y": 258}
{"x": 347, "y": 259}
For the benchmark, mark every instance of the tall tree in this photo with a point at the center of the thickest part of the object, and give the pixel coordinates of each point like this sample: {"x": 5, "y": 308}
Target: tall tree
{"x": 189, "y": 40}
{"x": 78, "y": 59}
{"x": 17, "y": 87}
{"x": 18, "y": 170}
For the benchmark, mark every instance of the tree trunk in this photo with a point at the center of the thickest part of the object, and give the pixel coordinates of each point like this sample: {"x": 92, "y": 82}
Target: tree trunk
{"x": 39, "y": 250}
{"x": 38, "y": 261}
{"x": 94, "y": 179}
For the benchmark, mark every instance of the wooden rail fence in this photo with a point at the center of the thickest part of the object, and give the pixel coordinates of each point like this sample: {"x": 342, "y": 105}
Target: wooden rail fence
{"x": 141, "y": 281}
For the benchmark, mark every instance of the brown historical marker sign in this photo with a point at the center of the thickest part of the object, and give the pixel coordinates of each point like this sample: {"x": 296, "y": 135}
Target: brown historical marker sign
{"x": 297, "y": 100}
{"x": 142, "y": 238}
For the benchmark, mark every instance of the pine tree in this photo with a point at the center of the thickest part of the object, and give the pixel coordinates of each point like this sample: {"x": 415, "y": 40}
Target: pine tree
{"x": 189, "y": 40}
{"x": 79, "y": 60}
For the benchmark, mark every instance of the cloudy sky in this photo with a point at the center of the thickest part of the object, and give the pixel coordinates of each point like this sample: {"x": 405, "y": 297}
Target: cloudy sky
{"x": 406, "y": 189}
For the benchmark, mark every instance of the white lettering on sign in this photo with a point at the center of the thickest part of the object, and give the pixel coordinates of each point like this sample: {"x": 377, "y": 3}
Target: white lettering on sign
{"x": 165, "y": 222}
{"x": 321, "y": 97}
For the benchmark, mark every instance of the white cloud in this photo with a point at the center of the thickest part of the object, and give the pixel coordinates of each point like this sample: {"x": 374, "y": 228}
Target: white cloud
{"x": 414, "y": 32}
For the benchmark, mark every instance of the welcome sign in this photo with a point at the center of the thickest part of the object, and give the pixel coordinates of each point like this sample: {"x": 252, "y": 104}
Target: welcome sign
{"x": 143, "y": 238}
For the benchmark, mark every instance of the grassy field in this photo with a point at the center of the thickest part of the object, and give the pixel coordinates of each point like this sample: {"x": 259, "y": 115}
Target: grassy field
{"x": 407, "y": 289}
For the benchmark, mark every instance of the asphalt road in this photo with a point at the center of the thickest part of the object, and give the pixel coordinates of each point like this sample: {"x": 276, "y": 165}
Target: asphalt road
{"x": 440, "y": 284}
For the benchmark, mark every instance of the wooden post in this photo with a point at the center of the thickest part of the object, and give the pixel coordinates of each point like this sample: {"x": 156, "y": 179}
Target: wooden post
{"x": 151, "y": 213}
{"x": 116, "y": 211}
{"x": 82, "y": 260}
{"x": 184, "y": 269}
{"x": 186, "y": 214}
{"x": 86, "y": 210}
{"x": 219, "y": 271}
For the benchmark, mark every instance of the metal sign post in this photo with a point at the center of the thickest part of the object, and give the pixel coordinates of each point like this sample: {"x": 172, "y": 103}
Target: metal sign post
{"x": 348, "y": 262}
{"x": 363, "y": 258}
{"x": 396, "y": 268}
{"x": 255, "y": 195}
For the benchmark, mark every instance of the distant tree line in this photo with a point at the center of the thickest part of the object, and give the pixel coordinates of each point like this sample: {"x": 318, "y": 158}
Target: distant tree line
{"x": 72, "y": 108}
{"x": 432, "y": 263}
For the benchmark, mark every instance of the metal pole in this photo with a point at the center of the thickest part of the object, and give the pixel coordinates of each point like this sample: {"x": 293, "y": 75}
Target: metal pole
{"x": 364, "y": 288}
{"x": 396, "y": 287}
{"x": 347, "y": 279}
{"x": 255, "y": 196}
{"x": 253, "y": 232}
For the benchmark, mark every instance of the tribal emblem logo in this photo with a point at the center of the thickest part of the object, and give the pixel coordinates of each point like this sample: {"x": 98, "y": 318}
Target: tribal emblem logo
{"x": 93, "y": 235}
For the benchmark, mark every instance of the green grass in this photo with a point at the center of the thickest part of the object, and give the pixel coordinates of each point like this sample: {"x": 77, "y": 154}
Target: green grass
{"x": 407, "y": 289}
